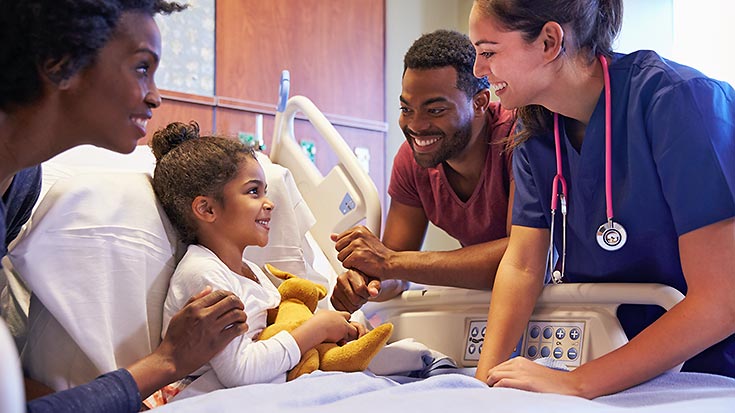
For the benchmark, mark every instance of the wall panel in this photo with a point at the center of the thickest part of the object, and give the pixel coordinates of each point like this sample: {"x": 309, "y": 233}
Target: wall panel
{"x": 334, "y": 51}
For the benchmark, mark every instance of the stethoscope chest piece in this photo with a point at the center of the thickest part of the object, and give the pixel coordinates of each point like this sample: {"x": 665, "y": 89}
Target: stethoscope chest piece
{"x": 611, "y": 236}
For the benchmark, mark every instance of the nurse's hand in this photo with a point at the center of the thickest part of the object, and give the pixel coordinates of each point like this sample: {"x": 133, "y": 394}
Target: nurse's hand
{"x": 523, "y": 374}
{"x": 359, "y": 249}
{"x": 352, "y": 290}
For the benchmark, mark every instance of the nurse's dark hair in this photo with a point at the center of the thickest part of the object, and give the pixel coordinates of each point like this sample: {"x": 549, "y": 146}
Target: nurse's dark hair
{"x": 189, "y": 165}
{"x": 592, "y": 25}
{"x": 56, "y": 39}
{"x": 443, "y": 48}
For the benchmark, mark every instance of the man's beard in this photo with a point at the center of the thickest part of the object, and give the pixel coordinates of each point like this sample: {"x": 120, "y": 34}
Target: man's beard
{"x": 448, "y": 149}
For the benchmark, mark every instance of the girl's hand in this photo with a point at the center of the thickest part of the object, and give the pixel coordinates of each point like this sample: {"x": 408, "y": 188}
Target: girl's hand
{"x": 523, "y": 374}
{"x": 335, "y": 325}
{"x": 359, "y": 331}
{"x": 360, "y": 328}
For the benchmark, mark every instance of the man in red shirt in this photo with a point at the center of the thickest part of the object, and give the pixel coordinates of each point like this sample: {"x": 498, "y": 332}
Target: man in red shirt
{"x": 453, "y": 170}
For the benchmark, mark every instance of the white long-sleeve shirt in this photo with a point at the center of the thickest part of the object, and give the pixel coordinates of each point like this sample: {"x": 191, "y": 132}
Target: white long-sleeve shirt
{"x": 245, "y": 360}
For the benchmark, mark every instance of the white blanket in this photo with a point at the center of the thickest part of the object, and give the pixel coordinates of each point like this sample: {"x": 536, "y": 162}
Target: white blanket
{"x": 362, "y": 392}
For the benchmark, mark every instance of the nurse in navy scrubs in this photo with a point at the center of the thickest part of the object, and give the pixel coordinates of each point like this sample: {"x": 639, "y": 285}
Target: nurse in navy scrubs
{"x": 635, "y": 155}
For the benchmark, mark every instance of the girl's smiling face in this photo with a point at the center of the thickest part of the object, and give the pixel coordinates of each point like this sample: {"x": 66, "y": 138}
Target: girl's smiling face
{"x": 246, "y": 210}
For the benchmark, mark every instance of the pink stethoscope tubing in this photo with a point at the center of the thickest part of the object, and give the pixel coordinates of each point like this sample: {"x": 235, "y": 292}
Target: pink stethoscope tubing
{"x": 611, "y": 236}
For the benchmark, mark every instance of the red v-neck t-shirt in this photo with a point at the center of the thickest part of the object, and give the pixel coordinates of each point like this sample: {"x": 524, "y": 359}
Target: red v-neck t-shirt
{"x": 483, "y": 216}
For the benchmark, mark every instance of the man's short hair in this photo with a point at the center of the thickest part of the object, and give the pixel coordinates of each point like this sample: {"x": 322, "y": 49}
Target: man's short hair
{"x": 443, "y": 48}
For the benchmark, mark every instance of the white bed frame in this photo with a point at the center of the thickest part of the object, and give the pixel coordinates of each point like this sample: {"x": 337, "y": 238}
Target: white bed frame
{"x": 343, "y": 198}
{"x": 453, "y": 320}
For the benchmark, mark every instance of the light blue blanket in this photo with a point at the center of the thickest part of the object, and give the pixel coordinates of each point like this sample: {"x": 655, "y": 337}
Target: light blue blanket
{"x": 326, "y": 392}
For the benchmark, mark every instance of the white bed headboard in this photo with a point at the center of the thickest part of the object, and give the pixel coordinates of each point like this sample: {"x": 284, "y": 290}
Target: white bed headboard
{"x": 340, "y": 200}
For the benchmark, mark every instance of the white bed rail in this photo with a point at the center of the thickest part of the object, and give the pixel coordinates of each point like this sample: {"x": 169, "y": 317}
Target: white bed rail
{"x": 581, "y": 319}
{"x": 346, "y": 196}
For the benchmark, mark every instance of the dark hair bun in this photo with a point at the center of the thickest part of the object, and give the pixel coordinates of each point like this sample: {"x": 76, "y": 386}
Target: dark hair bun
{"x": 173, "y": 135}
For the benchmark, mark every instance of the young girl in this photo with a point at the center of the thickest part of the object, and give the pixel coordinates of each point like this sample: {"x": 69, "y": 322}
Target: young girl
{"x": 636, "y": 154}
{"x": 214, "y": 192}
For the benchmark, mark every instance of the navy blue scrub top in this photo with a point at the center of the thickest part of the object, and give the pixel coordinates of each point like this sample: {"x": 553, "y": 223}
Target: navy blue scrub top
{"x": 673, "y": 172}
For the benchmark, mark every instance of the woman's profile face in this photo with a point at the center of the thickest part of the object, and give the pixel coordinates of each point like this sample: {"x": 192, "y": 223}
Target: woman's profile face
{"x": 513, "y": 66}
{"x": 112, "y": 99}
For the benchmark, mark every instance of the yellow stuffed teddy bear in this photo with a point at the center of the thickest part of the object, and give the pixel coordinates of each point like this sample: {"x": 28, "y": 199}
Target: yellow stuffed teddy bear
{"x": 299, "y": 298}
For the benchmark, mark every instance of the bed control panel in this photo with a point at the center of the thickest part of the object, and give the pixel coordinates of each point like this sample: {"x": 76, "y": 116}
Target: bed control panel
{"x": 560, "y": 340}
{"x": 475, "y": 338}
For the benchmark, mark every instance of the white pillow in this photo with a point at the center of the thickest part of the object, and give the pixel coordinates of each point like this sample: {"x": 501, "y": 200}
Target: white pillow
{"x": 98, "y": 256}
{"x": 92, "y": 159}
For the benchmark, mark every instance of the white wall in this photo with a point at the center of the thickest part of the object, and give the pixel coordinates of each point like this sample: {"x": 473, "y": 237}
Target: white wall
{"x": 702, "y": 36}
{"x": 647, "y": 24}
{"x": 686, "y": 31}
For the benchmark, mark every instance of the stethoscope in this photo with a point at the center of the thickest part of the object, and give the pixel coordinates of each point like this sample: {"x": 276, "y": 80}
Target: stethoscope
{"x": 611, "y": 236}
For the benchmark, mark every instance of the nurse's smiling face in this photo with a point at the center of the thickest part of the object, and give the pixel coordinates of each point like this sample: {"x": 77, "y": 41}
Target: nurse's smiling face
{"x": 436, "y": 117}
{"x": 513, "y": 66}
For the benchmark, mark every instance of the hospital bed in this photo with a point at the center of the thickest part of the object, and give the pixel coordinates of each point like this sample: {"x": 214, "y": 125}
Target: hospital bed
{"x": 114, "y": 260}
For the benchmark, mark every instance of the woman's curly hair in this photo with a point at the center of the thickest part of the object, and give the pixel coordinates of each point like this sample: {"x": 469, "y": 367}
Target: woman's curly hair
{"x": 57, "y": 38}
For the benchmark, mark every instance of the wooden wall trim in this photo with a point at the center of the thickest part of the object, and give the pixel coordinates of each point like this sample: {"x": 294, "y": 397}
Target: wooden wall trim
{"x": 188, "y": 97}
{"x": 246, "y": 105}
{"x": 269, "y": 109}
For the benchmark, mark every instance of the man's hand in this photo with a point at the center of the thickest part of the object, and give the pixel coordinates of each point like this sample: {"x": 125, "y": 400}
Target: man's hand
{"x": 353, "y": 290}
{"x": 359, "y": 249}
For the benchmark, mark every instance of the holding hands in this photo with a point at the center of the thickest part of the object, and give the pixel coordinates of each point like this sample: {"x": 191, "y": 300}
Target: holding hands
{"x": 367, "y": 259}
{"x": 359, "y": 249}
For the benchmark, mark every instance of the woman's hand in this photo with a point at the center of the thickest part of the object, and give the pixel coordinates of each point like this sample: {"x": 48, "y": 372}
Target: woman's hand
{"x": 200, "y": 330}
{"x": 206, "y": 324}
{"x": 523, "y": 374}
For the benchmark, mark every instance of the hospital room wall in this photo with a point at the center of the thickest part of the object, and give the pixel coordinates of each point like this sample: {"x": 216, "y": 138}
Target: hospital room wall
{"x": 333, "y": 50}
